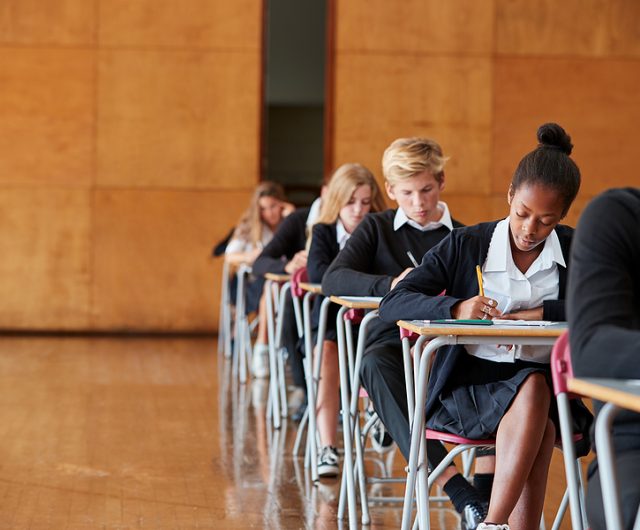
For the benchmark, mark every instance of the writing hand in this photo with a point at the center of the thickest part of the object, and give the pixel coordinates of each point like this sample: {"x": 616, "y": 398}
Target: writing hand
{"x": 477, "y": 308}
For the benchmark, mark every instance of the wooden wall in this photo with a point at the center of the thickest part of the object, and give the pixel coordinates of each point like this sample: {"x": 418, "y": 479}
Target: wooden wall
{"x": 480, "y": 77}
{"x": 130, "y": 131}
{"x": 129, "y": 143}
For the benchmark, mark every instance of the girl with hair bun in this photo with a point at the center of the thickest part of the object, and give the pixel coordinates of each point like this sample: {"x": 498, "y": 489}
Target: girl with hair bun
{"x": 485, "y": 391}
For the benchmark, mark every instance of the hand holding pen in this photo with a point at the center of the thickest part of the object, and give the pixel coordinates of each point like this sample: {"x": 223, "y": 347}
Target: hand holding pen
{"x": 479, "y": 307}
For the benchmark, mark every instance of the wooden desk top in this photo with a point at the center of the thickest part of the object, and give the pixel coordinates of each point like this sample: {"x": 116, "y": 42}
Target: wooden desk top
{"x": 314, "y": 288}
{"x": 423, "y": 327}
{"x": 622, "y": 392}
{"x": 275, "y": 277}
{"x": 357, "y": 302}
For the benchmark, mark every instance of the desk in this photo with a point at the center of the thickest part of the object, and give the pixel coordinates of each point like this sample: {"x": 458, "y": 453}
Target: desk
{"x": 349, "y": 377}
{"x": 442, "y": 335}
{"x": 312, "y": 372}
{"x": 616, "y": 394}
{"x": 277, "y": 386}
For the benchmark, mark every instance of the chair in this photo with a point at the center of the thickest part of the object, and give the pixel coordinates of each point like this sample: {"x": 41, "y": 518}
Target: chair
{"x": 561, "y": 371}
{"x": 276, "y": 288}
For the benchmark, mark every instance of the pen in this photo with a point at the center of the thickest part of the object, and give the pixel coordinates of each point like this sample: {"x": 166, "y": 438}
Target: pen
{"x": 413, "y": 260}
{"x": 479, "y": 274}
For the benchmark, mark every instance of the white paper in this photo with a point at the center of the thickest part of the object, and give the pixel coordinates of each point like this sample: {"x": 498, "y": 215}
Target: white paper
{"x": 503, "y": 322}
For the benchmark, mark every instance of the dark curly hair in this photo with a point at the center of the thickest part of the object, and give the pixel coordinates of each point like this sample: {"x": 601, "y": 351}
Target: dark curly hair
{"x": 549, "y": 165}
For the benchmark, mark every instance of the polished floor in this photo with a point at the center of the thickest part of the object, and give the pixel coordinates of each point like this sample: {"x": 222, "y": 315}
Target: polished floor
{"x": 129, "y": 433}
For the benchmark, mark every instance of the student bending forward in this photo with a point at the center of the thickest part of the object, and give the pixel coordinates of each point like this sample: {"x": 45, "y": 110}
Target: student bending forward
{"x": 486, "y": 391}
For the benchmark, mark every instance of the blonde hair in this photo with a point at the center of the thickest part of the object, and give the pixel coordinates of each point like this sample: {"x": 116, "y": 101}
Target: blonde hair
{"x": 408, "y": 157}
{"x": 250, "y": 226}
{"x": 344, "y": 181}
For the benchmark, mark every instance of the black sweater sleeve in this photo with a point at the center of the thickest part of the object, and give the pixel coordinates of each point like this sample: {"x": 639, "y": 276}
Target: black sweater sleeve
{"x": 604, "y": 288}
{"x": 288, "y": 239}
{"x": 350, "y": 272}
{"x": 324, "y": 248}
{"x": 418, "y": 295}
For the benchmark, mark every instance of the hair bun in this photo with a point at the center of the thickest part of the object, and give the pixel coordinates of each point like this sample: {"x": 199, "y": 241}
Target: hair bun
{"x": 554, "y": 136}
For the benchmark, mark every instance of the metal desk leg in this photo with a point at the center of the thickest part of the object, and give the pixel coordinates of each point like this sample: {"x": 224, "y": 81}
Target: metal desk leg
{"x": 347, "y": 468}
{"x": 606, "y": 463}
{"x": 416, "y": 468}
{"x": 274, "y": 396}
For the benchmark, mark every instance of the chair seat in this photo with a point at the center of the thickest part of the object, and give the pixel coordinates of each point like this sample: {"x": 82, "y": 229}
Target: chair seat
{"x": 455, "y": 439}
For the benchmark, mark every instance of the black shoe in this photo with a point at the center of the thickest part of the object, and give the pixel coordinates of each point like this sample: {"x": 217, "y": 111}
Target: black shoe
{"x": 472, "y": 515}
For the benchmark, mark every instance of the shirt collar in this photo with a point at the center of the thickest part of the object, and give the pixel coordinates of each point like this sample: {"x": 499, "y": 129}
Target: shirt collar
{"x": 314, "y": 211}
{"x": 341, "y": 234}
{"x": 499, "y": 250}
{"x": 401, "y": 219}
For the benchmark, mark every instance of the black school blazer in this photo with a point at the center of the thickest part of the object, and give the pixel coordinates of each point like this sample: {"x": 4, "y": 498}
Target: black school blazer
{"x": 451, "y": 266}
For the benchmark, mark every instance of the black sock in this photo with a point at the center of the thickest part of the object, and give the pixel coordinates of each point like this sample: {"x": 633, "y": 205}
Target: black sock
{"x": 483, "y": 482}
{"x": 460, "y": 492}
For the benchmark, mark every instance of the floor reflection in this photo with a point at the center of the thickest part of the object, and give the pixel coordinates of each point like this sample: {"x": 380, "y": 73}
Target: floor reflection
{"x": 268, "y": 478}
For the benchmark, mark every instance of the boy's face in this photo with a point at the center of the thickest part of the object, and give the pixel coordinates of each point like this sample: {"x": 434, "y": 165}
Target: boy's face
{"x": 418, "y": 197}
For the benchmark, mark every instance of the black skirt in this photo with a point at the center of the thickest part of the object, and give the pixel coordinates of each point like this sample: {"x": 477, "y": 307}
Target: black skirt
{"x": 480, "y": 392}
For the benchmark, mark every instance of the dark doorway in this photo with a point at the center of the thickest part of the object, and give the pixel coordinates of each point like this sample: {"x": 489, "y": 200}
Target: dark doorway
{"x": 294, "y": 91}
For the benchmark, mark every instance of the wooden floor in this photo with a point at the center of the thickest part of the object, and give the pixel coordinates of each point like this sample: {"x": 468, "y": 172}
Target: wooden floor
{"x": 128, "y": 433}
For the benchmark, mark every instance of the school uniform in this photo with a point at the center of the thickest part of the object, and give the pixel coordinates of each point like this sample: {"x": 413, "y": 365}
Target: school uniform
{"x": 255, "y": 284}
{"x": 604, "y": 319}
{"x": 374, "y": 255}
{"x": 471, "y": 388}
{"x": 289, "y": 239}
{"x": 326, "y": 242}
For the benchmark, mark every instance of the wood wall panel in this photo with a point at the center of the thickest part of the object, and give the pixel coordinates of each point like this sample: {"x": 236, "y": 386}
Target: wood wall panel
{"x": 152, "y": 265}
{"x": 596, "y": 101}
{"x": 178, "y": 119}
{"x": 380, "y": 98}
{"x": 46, "y": 104}
{"x": 624, "y": 36}
{"x": 196, "y": 23}
{"x": 457, "y": 26}
{"x": 46, "y": 269}
{"x": 587, "y": 28}
{"x": 59, "y": 22}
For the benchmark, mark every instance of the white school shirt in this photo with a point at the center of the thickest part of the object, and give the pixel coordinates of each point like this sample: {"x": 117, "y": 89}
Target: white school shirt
{"x": 237, "y": 245}
{"x": 342, "y": 236}
{"x": 445, "y": 220}
{"x": 513, "y": 290}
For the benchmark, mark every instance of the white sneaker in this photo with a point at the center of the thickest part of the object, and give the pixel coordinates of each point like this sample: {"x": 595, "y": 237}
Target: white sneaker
{"x": 260, "y": 361}
{"x": 485, "y": 526}
{"x": 328, "y": 462}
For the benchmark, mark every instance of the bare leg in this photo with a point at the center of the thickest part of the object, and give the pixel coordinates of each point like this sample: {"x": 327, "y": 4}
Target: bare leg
{"x": 328, "y": 402}
{"x": 518, "y": 446}
{"x": 528, "y": 511}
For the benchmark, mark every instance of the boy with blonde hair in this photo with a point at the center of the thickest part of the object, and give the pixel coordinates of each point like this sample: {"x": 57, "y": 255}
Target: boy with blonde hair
{"x": 376, "y": 257}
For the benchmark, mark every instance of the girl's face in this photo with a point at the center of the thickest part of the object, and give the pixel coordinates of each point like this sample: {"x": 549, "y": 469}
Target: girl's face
{"x": 270, "y": 211}
{"x": 358, "y": 206}
{"x": 418, "y": 197}
{"x": 535, "y": 212}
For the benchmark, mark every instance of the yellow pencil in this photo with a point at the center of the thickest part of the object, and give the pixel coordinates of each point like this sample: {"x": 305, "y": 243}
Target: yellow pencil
{"x": 479, "y": 274}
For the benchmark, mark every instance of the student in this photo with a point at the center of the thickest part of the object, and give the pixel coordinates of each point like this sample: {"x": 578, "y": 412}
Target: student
{"x": 286, "y": 253}
{"x": 268, "y": 207}
{"x": 374, "y": 260}
{"x": 351, "y": 194}
{"x": 486, "y": 391}
{"x": 604, "y": 319}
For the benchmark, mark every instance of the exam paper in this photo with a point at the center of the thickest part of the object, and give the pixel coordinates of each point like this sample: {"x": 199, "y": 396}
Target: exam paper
{"x": 503, "y": 322}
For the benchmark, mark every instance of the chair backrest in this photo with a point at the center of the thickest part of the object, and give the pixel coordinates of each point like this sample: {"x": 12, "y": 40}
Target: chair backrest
{"x": 300, "y": 276}
{"x": 561, "y": 368}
